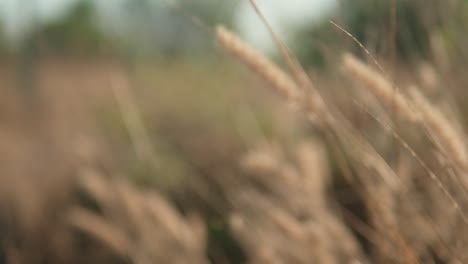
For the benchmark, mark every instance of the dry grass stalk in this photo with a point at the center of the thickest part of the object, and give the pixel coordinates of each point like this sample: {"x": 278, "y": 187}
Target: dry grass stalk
{"x": 383, "y": 89}
{"x": 100, "y": 229}
{"x": 440, "y": 127}
{"x": 255, "y": 61}
{"x": 359, "y": 150}
{"x": 379, "y": 86}
{"x": 132, "y": 118}
{"x": 446, "y": 135}
{"x": 382, "y": 193}
{"x": 298, "y": 91}
{"x": 423, "y": 231}
{"x": 142, "y": 226}
{"x": 278, "y": 202}
{"x": 312, "y": 161}
{"x": 311, "y": 103}
{"x": 283, "y": 215}
{"x": 438, "y": 182}
{"x": 364, "y": 157}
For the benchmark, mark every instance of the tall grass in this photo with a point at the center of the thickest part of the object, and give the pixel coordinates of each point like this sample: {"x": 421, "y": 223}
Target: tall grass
{"x": 332, "y": 191}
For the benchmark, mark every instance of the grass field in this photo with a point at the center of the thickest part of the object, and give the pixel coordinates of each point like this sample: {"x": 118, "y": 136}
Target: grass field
{"x": 233, "y": 160}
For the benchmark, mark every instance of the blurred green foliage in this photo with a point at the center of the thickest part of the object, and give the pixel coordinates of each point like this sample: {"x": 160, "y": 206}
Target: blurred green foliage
{"x": 404, "y": 31}
{"x": 148, "y": 27}
{"x": 74, "y": 32}
{"x": 3, "y": 46}
{"x": 170, "y": 29}
{"x": 143, "y": 27}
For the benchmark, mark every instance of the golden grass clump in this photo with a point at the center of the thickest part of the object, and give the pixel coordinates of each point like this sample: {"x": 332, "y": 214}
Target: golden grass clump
{"x": 141, "y": 226}
{"x": 311, "y": 102}
{"x": 282, "y": 214}
{"x": 380, "y": 188}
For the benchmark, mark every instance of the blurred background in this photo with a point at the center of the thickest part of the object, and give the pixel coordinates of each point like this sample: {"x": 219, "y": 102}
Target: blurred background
{"x": 133, "y": 98}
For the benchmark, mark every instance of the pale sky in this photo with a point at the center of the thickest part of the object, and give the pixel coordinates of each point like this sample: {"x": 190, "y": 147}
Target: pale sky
{"x": 17, "y": 14}
{"x": 281, "y": 14}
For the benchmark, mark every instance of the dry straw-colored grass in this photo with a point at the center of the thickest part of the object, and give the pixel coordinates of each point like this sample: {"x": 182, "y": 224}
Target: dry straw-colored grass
{"x": 388, "y": 198}
{"x": 264, "y": 68}
{"x": 332, "y": 197}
